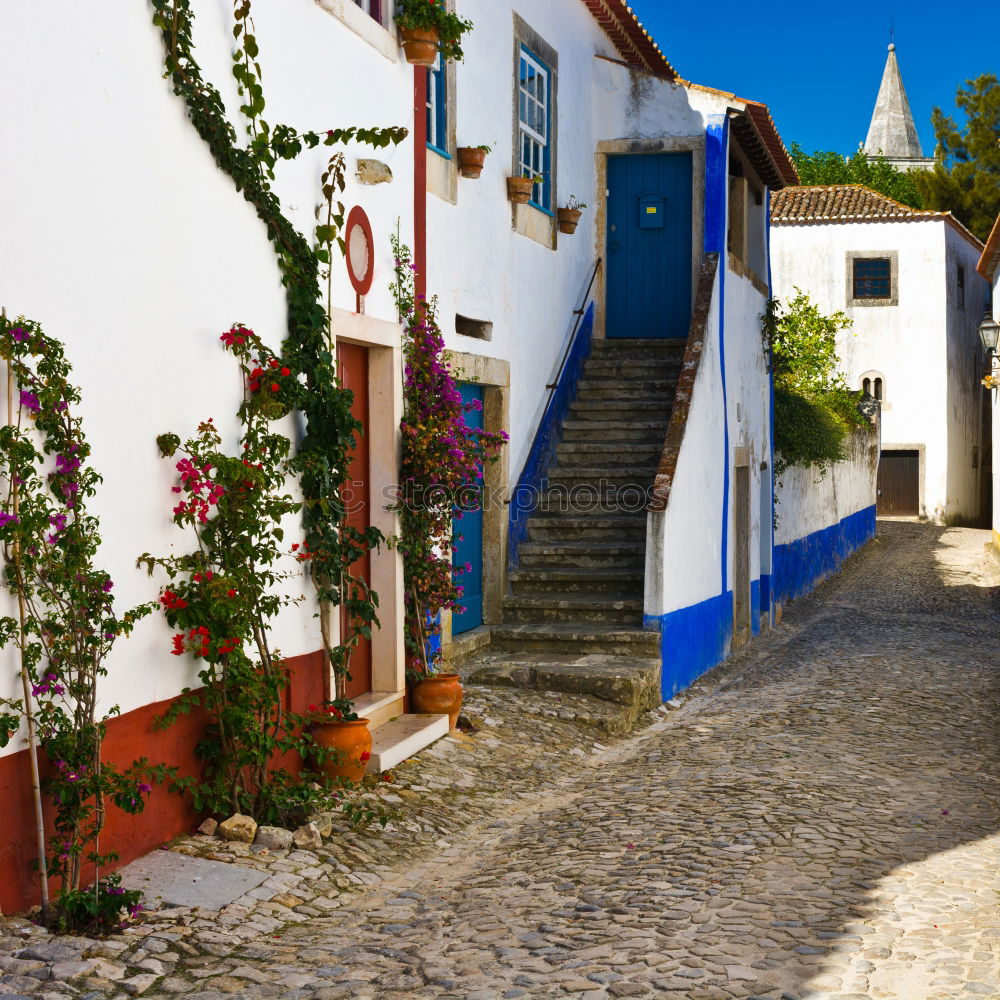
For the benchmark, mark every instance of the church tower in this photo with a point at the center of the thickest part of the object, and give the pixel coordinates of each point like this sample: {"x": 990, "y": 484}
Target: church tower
{"x": 892, "y": 133}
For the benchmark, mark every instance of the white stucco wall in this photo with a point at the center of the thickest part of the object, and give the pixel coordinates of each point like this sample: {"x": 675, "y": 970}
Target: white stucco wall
{"x": 927, "y": 399}
{"x": 806, "y": 500}
{"x": 123, "y": 238}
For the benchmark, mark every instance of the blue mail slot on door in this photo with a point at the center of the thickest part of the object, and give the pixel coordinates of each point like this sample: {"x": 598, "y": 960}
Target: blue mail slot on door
{"x": 651, "y": 213}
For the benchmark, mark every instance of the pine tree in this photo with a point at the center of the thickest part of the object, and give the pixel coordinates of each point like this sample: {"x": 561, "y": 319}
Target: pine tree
{"x": 966, "y": 178}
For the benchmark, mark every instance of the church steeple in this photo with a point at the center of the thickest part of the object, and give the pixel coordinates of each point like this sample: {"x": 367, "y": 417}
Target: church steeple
{"x": 892, "y": 133}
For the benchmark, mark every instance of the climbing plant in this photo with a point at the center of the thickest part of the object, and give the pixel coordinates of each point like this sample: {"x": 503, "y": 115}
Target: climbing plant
{"x": 65, "y": 628}
{"x": 443, "y": 460}
{"x": 321, "y": 461}
{"x": 814, "y": 410}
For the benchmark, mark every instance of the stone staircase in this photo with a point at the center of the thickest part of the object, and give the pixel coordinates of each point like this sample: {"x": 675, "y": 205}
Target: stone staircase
{"x": 573, "y": 618}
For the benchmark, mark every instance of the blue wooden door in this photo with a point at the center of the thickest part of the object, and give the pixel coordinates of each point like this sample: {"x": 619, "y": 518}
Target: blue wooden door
{"x": 649, "y": 245}
{"x": 468, "y": 529}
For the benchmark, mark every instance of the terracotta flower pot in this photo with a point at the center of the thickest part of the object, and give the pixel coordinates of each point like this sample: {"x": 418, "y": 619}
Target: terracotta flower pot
{"x": 353, "y": 744}
{"x": 439, "y": 694}
{"x": 568, "y": 219}
{"x": 420, "y": 45}
{"x": 519, "y": 189}
{"x": 470, "y": 161}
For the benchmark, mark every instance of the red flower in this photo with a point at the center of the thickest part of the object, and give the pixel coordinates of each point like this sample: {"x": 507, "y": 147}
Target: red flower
{"x": 275, "y": 387}
{"x": 286, "y": 371}
{"x": 366, "y": 756}
{"x": 178, "y": 649}
{"x": 273, "y": 363}
{"x": 231, "y": 592}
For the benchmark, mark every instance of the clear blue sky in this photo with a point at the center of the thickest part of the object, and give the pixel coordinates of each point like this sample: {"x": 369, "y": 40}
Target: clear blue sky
{"x": 818, "y": 67}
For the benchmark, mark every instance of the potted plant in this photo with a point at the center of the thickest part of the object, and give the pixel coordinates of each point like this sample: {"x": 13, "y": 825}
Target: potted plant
{"x": 569, "y": 216}
{"x": 519, "y": 188}
{"x": 471, "y": 160}
{"x": 344, "y": 739}
{"x": 427, "y": 27}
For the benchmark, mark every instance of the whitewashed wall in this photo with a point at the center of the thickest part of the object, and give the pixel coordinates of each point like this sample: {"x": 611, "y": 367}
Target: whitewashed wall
{"x": 123, "y": 238}
{"x": 807, "y": 500}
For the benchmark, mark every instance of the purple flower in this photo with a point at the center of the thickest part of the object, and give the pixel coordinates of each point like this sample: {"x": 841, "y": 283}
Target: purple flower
{"x": 18, "y": 333}
{"x": 107, "y": 586}
{"x": 67, "y": 465}
{"x": 30, "y": 401}
{"x": 143, "y": 787}
{"x": 6, "y": 519}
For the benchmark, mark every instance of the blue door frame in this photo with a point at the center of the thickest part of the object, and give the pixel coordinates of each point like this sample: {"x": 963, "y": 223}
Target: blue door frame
{"x": 649, "y": 245}
{"x": 468, "y": 533}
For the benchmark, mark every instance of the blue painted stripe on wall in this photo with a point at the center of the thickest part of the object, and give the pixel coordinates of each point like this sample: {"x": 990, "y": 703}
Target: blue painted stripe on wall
{"x": 800, "y": 565}
{"x": 543, "y": 448}
{"x": 693, "y": 640}
{"x": 767, "y": 599}
{"x": 755, "y": 607}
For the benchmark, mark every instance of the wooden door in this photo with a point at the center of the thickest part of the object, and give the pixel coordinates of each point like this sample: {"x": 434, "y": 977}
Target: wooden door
{"x": 649, "y": 245}
{"x": 899, "y": 483}
{"x": 352, "y": 365}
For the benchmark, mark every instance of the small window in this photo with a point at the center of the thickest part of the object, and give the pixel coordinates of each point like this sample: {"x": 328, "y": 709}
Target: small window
{"x": 878, "y": 389}
{"x": 961, "y": 287}
{"x": 371, "y": 7}
{"x": 872, "y": 278}
{"x": 437, "y": 107}
{"x": 534, "y": 116}
{"x": 481, "y": 329}
{"x": 866, "y": 386}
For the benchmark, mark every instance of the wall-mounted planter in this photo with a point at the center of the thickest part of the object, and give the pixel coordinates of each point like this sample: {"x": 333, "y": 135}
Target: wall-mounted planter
{"x": 568, "y": 219}
{"x": 519, "y": 189}
{"x": 471, "y": 160}
{"x": 420, "y": 45}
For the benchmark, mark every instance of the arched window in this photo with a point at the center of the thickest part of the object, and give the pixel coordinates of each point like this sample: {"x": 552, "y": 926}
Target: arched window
{"x": 873, "y": 385}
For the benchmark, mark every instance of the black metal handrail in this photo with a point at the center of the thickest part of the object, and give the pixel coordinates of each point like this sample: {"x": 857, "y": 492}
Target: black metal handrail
{"x": 579, "y": 313}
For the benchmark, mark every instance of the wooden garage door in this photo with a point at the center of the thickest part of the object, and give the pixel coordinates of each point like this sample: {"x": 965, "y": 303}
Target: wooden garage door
{"x": 899, "y": 483}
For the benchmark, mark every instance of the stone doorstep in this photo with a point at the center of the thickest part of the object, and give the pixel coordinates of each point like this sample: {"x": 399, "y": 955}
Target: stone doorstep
{"x": 404, "y": 736}
{"x": 466, "y": 645}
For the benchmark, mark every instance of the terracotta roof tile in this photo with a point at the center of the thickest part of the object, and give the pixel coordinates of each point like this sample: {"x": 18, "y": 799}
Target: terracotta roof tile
{"x": 990, "y": 260}
{"x": 850, "y": 203}
{"x": 631, "y": 39}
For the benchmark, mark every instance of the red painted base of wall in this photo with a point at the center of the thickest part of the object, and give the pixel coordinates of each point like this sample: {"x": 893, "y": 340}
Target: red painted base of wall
{"x": 166, "y": 815}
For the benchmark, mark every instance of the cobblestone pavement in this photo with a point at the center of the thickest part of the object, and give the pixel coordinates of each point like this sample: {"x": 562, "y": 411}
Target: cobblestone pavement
{"x": 818, "y": 819}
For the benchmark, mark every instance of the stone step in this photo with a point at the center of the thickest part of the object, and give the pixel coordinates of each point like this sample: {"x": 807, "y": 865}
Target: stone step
{"x": 568, "y": 609}
{"x": 580, "y": 502}
{"x": 636, "y": 367}
{"x": 404, "y": 736}
{"x": 613, "y": 453}
{"x": 581, "y": 553}
{"x": 581, "y": 639}
{"x": 622, "y": 583}
{"x": 615, "y": 410}
{"x": 660, "y": 391}
{"x": 637, "y": 348}
{"x": 595, "y": 480}
{"x": 562, "y": 529}
{"x": 638, "y": 432}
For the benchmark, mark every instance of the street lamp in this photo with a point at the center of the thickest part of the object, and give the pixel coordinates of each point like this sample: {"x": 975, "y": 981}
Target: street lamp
{"x": 989, "y": 334}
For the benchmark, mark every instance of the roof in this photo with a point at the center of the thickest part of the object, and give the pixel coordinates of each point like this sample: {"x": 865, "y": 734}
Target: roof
{"x": 631, "y": 39}
{"x": 850, "y": 203}
{"x": 892, "y": 132}
{"x": 758, "y": 135}
{"x": 990, "y": 259}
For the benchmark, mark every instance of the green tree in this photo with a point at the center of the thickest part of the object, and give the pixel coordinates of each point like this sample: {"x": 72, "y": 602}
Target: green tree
{"x": 827, "y": 167}
{"x": 966, "y": 178}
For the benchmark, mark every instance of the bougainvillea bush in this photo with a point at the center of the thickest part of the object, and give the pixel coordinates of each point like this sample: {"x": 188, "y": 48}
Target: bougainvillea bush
{"x": 65, "y": 628}
{"x": 443, "y": 460}
{"x": 224, "y": 595}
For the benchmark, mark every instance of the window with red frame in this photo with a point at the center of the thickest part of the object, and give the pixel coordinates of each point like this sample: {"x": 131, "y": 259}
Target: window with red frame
{"x": 372, "y": 8}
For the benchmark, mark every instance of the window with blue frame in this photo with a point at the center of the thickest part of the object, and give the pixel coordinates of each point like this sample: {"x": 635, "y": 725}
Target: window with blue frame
{"x": 437, "y": 107}
{"x": 534, "y": 116}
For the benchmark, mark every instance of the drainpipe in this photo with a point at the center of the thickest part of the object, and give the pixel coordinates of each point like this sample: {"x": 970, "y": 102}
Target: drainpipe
{"x": 420, "y": 179}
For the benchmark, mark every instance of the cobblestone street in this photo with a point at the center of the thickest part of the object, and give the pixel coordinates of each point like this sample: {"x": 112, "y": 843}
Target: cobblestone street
{"x": 819, "y": 819}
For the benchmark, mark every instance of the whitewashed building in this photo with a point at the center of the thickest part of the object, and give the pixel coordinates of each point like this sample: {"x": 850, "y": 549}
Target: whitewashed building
{"x": 907, "y": 279}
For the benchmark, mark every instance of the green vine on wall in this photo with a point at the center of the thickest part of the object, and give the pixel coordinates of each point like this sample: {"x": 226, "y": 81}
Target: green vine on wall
{"x": 322, "y": 461}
